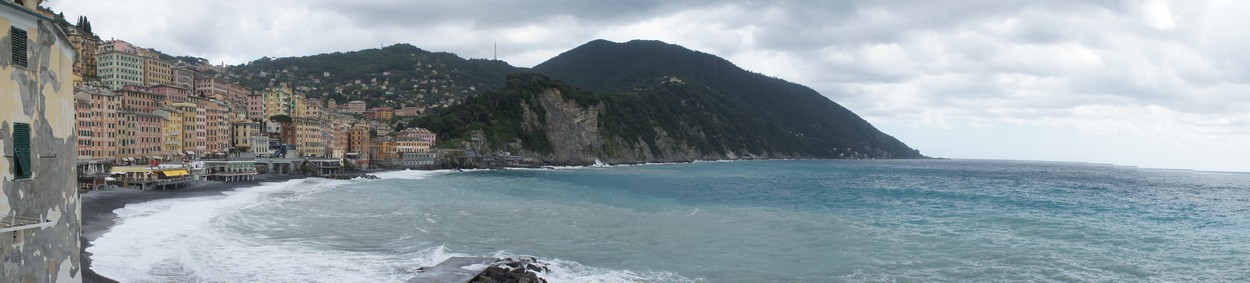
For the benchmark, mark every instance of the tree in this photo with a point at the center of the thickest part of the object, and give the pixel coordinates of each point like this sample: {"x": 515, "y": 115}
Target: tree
{"x": 280, "y": 118}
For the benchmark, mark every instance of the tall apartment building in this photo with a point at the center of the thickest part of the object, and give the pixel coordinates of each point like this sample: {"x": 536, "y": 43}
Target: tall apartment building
{"x": 217, "y": 126}
{"x": 157, "y": 72}
{"x": 172, "y": 93}
{"x": 201, "y": 125}
{"x": 256, "y": 106}
{"x": 139, "y": 137}
{"x": 97, "y": 137}
{"x": 209, "y": 86}
{"x": 171, "y": 132}
{"x": 308, "y": 136}
{"x": 190, "y": 128}
{"x": 358, "y": 142}
{"x": 87, "y": 45}
{"x": 278, "y": 101}
{"x": 184, "y": 76}
{"x": 42, "y": 211}
{"x": 139, "y": 99}
{"x": 117, "y": 69}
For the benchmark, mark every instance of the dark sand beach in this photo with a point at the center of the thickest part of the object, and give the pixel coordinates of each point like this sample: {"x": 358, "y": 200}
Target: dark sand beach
{"x": 98, "y": 207}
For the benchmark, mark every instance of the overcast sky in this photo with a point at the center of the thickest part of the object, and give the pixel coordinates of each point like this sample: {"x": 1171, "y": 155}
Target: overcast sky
{"x": 1159, "y": 84}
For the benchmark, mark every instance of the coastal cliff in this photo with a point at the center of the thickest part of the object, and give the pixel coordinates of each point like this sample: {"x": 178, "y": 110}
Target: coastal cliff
{"x": 540, "y": 121}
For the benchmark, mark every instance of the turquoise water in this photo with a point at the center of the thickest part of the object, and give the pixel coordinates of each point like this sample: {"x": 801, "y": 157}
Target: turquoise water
{"x": 753, "y": 221}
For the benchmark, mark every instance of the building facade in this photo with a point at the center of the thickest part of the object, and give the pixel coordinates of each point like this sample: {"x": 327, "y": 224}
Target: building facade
{"x": 38, "y": 195}
{"x": 117, "y": 69}
{"x": 157, "y": 72}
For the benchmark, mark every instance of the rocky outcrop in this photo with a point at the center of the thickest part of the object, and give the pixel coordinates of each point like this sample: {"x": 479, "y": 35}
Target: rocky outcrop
{"x": 522, "y": 269}
{"x": 577, "y": 138}
{"x": 572, "y": 129}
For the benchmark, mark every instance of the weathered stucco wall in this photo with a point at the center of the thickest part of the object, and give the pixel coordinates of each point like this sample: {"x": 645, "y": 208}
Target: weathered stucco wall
{"x": 41, "y": 94}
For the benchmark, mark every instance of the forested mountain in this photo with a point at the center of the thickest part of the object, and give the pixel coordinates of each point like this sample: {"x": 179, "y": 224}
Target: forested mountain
{"x": 390, "y": 76}
{"x": 752, "y": 113}
{"x": 640, "y": 101}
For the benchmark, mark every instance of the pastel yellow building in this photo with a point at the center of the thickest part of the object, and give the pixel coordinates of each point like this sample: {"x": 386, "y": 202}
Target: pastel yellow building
{"x": 277, "y": 101}
{"x": 39, "y": 203}
{"x": 157, "y": 72}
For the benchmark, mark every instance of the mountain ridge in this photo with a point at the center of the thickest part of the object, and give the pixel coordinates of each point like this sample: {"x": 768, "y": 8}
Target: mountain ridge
{"x": 795, "y": 109}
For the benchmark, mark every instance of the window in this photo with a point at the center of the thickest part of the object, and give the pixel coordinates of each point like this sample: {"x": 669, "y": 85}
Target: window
{"x": 17, "y": 37}
{"x": 21, "y": 151}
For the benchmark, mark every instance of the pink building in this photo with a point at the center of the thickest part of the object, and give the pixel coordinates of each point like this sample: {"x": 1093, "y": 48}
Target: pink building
{"x": 139, "y": 99}
{"x": 256, "y": 106}
{"x": 140, "y": 138}
{"x": 172, "y": 93}
{"x": 417, "y": 134}
{"x": 209, "y": 86}
{"x": 97, "y": 132}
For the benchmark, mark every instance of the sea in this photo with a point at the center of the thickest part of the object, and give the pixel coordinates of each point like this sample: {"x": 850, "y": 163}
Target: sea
{"x": 741, "y": 221}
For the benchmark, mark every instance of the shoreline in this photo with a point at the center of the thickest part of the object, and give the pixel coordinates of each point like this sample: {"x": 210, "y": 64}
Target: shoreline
{"x": 98, "y": 206}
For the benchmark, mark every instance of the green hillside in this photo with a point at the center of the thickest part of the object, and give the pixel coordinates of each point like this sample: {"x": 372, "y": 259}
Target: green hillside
{"x": 736, "y": 109}
{"x": 390, "y": 76}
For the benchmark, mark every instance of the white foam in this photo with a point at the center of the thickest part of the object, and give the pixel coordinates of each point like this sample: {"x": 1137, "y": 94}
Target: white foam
{"x": 185, "y": 239}
{"x": 572, "y": 271}
{"x": 196, "y": 239}
{"x": 410, "y": 174}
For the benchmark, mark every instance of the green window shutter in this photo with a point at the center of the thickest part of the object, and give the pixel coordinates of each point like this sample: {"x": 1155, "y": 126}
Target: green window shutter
{"x": 18, "y": 38}
{"x": 21, "y": 150}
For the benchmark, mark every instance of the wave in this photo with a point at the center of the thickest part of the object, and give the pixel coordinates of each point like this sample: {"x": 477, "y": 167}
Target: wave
{"x": 207, "y": 239}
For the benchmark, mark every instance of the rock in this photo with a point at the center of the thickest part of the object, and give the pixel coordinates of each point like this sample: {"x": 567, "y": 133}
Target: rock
{"x": 520, "y": 269}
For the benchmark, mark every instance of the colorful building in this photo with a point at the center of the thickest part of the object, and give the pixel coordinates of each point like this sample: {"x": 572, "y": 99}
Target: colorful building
{"x": 172, "y": 93}
{"x": 358, "y": 144}
{"x": 86, "y": 44}
{"x": 157, "y": 72}
{"x": 356, "y": 106}
{"x": 117, "y": 69}
{"x": 384, "y": 113}
{"x": 139, "y": 138}
{"x": 97, "y": 133}
{"x": 278, "y": 101}
{"x": 139, "y": 99}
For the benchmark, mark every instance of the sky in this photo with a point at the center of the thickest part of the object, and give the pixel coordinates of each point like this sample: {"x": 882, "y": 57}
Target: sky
{"x": 1153, "y": 84}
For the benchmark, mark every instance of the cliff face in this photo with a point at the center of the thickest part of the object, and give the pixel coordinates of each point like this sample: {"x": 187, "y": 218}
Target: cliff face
{"x": 577, "y": 137}
{"x": 572, "y": 129}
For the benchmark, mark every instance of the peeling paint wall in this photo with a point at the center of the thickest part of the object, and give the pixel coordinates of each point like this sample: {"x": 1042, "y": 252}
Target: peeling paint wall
{"x": 40, "y": 94}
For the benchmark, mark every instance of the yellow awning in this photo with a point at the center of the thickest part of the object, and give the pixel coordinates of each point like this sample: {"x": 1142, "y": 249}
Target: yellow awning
{"x": 175, "y": 173}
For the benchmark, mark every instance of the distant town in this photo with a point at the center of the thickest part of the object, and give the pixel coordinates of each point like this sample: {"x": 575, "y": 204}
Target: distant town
{"x": 150, "y": 123}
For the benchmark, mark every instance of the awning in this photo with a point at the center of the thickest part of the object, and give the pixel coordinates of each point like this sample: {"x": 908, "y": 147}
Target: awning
{"x": 130, "y": 169}
{"x": 191, "y": 153}
{"x": 175, "y": 173}
{"x": 128, "y": 159}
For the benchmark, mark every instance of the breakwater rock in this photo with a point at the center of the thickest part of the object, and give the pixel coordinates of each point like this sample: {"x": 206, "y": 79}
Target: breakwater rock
{"x": 521, "y": 269}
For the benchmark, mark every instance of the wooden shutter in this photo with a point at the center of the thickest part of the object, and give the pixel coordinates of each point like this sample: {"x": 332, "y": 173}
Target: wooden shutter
{"x": 21, "y": 151}
{"x": 18, "y": 37}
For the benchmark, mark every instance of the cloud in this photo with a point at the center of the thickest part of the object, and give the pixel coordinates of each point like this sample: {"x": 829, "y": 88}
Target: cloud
{"x": 1174, "y": 72}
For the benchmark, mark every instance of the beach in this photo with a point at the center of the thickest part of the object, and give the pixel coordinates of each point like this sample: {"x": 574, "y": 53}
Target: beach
{"x": 98, "y": 207}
